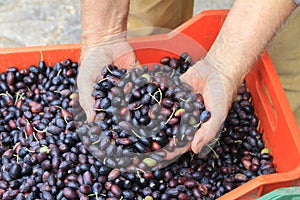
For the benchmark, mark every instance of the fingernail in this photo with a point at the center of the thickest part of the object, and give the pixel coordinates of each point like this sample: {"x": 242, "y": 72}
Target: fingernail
{"x": 197, "y": 151}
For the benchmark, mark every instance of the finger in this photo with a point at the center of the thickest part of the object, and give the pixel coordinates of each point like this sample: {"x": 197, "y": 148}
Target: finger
{"x": 214, "y": 98}
{"x": 178, "y": 151}
{"x": 206, "y": 133}
{"x": 87, "y": 102}
{"x": 85, "y": 89}
{"x": 91, "y": 67}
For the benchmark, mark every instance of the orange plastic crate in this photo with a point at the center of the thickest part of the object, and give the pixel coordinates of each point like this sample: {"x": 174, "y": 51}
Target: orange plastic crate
{"x": 277, "y": 122}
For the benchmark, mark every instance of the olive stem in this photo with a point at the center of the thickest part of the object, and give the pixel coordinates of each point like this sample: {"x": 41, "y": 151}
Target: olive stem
{"x": 198, "y": 125}
{"x": 96, "y": 142}
{"x": 96, "y": 193}
{"x": 42, "y": 131}
{"x": 48, "y": 132}
{"x": 17, "y": 156}
{"x": 138, "y": 173}
{"x": 135, "y": 133}
{"x": 104, "y": 79}
{"x": 139, "y": 169}
{"x": 58, "y": 107}
{"x": 8, "y": 94}
{"x": 174, "y": 140}
{"x": 154, "y": 98}
{"x": 30, "y": 151}
{"x": 182, "y": 137}
{"x": 217, "y": 156}
{"x": 160, "y": 96}
{"x": 136, "y": 108}
{"x": 173, "y": 72}
{"x": 238, "y": 141}
{"x": 21, "y": 96}
{"x": 184, "y": 100}
{"x": 104, "y": 160}
{"x": 192, "y": 156}
{"x": 17, "y": 98}
{"x": 99, "y": 109}
{"x": 65, "y": 119}
{"x": 104, "y": 195}
{"x": 26, "y": 137}
{"x": 35, "y": 137}
{"x": 108, "y": 68}
{"x": 187, "y": 58}
{"x": 173, "y": 111}
{"x": 59, "y": 71}
{"x": 214, "y": 141}
{"x": 16, "y": 145}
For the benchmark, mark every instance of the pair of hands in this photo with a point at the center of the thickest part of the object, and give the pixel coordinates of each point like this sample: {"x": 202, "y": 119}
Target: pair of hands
{"x": 205, "y": 77}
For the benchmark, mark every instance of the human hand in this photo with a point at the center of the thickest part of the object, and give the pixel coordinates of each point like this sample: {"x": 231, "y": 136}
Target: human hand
{"x": 93, "y": 60}
{"x": 217, "y": 90}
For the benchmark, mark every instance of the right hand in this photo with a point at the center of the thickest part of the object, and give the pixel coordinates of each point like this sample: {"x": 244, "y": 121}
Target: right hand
{"x": 93, "y": 60}
{"x": 218, "y": 91}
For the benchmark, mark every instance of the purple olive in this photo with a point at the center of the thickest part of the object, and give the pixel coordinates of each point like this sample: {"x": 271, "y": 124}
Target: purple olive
{"x": 205, "y": 116}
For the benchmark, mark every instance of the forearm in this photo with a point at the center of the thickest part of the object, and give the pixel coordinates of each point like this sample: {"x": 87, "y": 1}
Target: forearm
{"x": 103, "y": 20}
{"x": 247, "y": 30}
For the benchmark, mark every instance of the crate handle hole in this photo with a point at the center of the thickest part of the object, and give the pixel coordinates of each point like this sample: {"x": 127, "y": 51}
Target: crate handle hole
{"x": 269, "y": 106}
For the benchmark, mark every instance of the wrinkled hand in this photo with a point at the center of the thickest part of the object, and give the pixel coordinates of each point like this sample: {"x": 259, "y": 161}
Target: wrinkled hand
{"x": 93, "y": 60}
{"x": 218, "y": 92}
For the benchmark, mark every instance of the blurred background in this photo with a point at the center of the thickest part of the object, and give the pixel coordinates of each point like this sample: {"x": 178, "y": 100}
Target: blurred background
{"x": 46, "y": 22}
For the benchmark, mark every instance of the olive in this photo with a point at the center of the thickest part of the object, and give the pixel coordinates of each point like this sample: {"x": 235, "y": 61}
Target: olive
{"x": 204, "y": 116}
{"x": 116, "y": 191}
{"x": 15, "y": 171}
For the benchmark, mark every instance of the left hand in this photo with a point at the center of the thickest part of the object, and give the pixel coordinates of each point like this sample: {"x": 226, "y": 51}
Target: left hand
{"x": 93, "y": 60}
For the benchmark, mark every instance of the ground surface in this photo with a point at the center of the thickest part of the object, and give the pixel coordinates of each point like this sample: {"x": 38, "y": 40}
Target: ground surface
{"x": 45, "y": 22}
